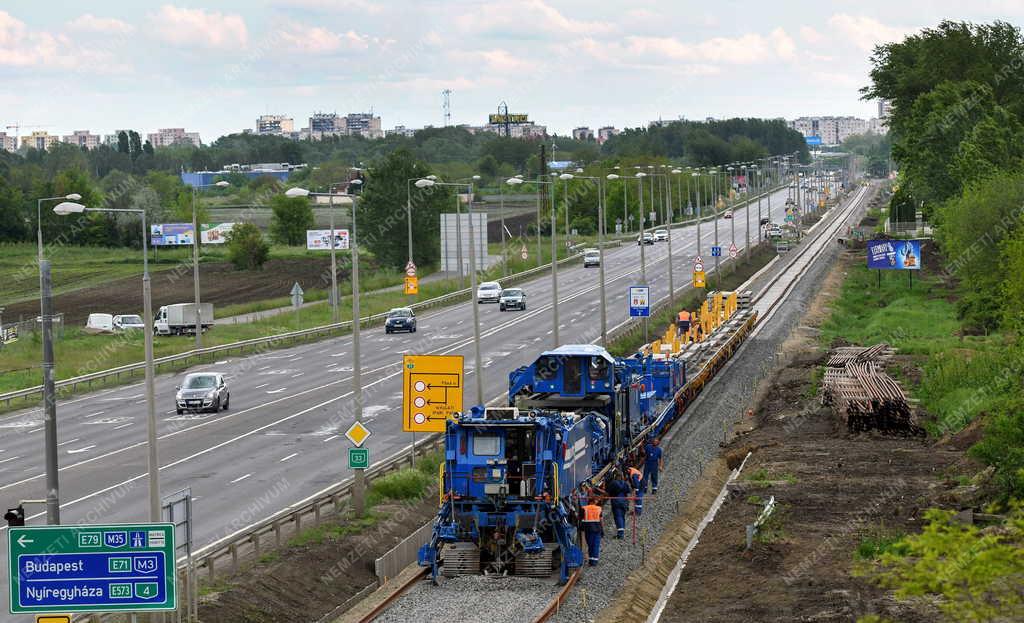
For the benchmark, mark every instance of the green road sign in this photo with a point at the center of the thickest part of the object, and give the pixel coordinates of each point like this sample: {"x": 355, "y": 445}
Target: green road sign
{"x": 92, "y": 568}
{"x": 358, "y": 458}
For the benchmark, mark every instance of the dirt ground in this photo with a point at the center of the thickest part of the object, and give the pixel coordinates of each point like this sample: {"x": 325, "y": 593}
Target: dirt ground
{"x": 832, "y": 490}
{"x": 304, "y": 583}
{"x": 220, "y": 284}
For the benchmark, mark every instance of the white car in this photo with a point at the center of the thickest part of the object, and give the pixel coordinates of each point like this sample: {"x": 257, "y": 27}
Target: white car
{"x": 591, "y": 257}
{"x": 99, "y": 323}
{"x": 488, "y": 292}
{"x": 660, "y": 235}
{"x": 728, "y": 214}
{"x": 202, "y": 391}
{"x": 128, "y": 322}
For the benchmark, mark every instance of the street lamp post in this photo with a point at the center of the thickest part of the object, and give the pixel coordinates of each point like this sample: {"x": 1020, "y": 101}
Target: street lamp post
{"x": 301, "y": 192}
{"x": 600, "y": 245}
{"x": 516, "y": 181}
{"x": 64, "y": 209}
{"x": 697, "y": 175}
{"x": 195, "y": 256}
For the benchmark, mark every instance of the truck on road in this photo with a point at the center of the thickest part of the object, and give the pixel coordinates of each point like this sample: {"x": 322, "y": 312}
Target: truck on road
{"x": 180, "y": 318}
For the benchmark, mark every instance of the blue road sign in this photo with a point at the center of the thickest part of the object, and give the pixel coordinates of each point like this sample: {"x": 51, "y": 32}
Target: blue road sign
{"x": 639, "y": 301}
{"x": 92, "y": 568}
{"x": 716, "y": 251}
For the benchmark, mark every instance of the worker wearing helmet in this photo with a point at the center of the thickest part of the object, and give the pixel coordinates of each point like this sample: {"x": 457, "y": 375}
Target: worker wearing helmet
{"x": 592, "y": 530}
{"x": 636, "y": 478}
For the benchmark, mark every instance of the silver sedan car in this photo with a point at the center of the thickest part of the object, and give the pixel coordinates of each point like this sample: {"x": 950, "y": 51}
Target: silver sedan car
{"x": 203, "y": 391}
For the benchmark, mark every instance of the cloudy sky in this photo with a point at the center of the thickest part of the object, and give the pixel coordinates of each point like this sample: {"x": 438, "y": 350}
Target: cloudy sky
{"x": 215, "y": 66}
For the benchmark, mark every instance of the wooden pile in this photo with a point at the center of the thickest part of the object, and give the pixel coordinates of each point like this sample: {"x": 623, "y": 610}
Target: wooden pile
{"x": 863, "y": 395}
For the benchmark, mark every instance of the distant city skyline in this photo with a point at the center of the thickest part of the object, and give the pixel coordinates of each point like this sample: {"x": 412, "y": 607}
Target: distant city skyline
{"x": 215, "y": 67}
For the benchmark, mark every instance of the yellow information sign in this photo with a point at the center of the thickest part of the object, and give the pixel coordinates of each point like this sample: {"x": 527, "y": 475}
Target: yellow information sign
{"x": 431, "y": 391}
{"x": 53, "y": 618}
{"x": 698, "y": 279}
{"x": 412, "y": 285}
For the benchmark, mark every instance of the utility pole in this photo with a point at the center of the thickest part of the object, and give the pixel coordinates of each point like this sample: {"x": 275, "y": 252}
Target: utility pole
{"x": 50, "y": 398}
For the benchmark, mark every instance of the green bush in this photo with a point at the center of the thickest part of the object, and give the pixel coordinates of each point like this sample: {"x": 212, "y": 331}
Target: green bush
{"x": 292, "y": 217}
{"x": 247, "y": 249}
{"x": 407, "y": 484}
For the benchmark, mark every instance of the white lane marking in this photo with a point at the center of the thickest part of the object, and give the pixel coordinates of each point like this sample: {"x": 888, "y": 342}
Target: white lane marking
{"x": 373, "y": 410}
{"x": 261, "y": 386}
{"x": 221, "y": 363}
{"x": 122, "y": 426}
{"x": 338, "y": 355}
{"x": 295, "y": 376}
{"x": 36, "y": 430}
{"x": 7, "y": 460}
{"x": 263, "y": 368}
{"x": 139, "y": 402}
{"x": 81, "y": 449}
{"x": 276, "y": 391}
{"x": 290, "y": 456}
{"x": 93, "y": 414}
{"x": 239, "y": 479}
{"x": 64, "y": 443}
{"x": 326, "y": 439}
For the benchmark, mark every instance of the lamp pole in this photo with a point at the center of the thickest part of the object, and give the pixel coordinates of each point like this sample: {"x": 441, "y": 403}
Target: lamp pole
{"x": 600, "y": 244}
{"x": 516, "y": 181}
{"x": 195, "y": 257}
{"x": 154, "y": 466}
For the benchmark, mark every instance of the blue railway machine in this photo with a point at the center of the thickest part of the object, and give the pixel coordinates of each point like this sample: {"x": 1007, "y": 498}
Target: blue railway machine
{"x": 513, "y": 477}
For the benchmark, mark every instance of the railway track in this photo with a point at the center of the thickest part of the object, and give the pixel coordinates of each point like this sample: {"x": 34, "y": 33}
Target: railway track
{"x": 516, "y": 599}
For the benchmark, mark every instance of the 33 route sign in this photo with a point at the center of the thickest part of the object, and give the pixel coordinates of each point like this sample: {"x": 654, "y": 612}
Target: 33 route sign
{"x": 98, "y": 568}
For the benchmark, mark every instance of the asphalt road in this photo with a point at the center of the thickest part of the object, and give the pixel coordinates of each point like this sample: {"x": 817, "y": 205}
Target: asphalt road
{"x": 282, "y": 439}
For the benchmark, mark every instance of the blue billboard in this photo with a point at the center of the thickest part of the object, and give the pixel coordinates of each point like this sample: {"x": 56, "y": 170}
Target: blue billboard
{"x": 812, "y": 140}
{"x": 894, "y": 254}
{"x": 171, "y": 234}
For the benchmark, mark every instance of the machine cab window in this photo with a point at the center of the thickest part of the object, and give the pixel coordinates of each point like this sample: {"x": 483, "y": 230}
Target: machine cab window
{"x": 486, "y": 445}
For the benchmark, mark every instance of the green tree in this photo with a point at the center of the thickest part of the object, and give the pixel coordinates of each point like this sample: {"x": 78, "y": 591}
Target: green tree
{"x": 381, "y": 212}
{"x": 247, "y": 249}
{"x": 123, "y": 145}
{"x": 292, "y": 216}
{"x": 12, "y": 214}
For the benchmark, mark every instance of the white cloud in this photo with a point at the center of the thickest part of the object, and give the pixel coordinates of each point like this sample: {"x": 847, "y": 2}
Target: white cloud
{"x": 21, "y": 47}
{"x": 811, "y": 35}
{"x": 529, "y": 18}
{"x": 332, "y": 6}
{"x": 866, "y": 32}
{"x": 750, "y": 48}
{"x": 306, "y": 39}
{"x": 88, "y": 22}
{"x": 200, "y": 28}
{"x": 785, "y": 47}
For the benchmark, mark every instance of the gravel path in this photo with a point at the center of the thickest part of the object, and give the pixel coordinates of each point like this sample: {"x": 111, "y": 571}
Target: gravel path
{"x": 470, "y": 599}
{"x": 694, "y": 443}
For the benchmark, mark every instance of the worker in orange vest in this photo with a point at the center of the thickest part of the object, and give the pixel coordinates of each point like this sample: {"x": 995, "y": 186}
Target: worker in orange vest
{"x": 593, "y": 530}
{"x": 684, "y": 321}
{"x": 636, "y": 478}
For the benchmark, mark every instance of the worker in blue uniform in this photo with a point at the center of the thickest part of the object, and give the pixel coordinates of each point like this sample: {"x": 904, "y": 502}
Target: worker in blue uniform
{"x": 618, "y": 492}
{"x": 593, "y": 531}
{"x": 636, "y": 478}
{"x": 653, "y": 464}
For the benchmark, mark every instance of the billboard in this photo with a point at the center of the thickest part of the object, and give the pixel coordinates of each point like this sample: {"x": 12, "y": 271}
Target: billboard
{"x": 214, "y": 233}
{"x": 511, "y": 118}
{"x": 894, "y": 254}
{"x": 321, "y": 239}
{"x": 812, "y": 140}
{"x": 171, "y": 234}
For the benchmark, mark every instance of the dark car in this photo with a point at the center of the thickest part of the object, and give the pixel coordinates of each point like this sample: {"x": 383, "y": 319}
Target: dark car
{"x": 204, "y": 391}
{"x": 512, "y": 298}
{"x": 400, "y": 319}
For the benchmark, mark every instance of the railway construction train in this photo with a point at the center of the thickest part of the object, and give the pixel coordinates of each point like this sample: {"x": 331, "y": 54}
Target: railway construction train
{"x": 513, "y": 477}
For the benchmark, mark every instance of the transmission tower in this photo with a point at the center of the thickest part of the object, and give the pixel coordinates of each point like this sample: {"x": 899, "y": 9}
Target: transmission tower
{"x": 447, "y": 93}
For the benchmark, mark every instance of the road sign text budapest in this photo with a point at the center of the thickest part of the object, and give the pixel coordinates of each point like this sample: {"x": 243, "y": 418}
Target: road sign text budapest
{"x": 92, "y": 568}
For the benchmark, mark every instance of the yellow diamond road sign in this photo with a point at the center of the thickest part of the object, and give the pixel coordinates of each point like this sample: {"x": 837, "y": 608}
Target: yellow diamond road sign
{"x": 432, "y": 391}
{"x": 357, "y": 433}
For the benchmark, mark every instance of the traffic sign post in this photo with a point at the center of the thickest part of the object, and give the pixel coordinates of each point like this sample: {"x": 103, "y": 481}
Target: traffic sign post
{"x": 733, "y": 251}
{"x": 358, "y": 433}
{"x": 410, "y": 269}
{"x": 699, "y": 280}
{"x": 412, "y": 285}
{"x": 432, "y": 391}
{"x": 716, "y": 251}
{"x": 639, "y": 301}
{"x": 101, "y": 568}
{"x": 358, "y": 458}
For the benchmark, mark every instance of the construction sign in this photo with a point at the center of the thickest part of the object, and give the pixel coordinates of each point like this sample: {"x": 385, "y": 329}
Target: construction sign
{"x": 699, "y": 280}
{"x": 431, "y": 391}
{"x": 412, "y": 285}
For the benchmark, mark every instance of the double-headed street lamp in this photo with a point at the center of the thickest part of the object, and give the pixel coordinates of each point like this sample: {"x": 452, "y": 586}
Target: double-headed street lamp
{"x": 600, "y": 244}
{"x": 65, "y": 209}
{"x": 302, "y": 192}
{"x": 516, "y": 181}
{"x": 479, "y": 368}
{"x": 195, "y": 255}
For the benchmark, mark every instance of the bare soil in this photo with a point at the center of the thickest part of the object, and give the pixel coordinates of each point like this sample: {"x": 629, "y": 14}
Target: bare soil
{"x": 220, "y": 284}
{"x": 832, "y": 490}
{"x": 307, "y": 582}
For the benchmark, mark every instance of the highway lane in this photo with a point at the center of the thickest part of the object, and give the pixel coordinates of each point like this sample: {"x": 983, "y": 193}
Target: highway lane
{"x": 279, "y": 443}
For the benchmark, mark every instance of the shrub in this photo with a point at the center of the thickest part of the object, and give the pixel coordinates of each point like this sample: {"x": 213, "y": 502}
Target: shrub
{"x": 247, "y": 249}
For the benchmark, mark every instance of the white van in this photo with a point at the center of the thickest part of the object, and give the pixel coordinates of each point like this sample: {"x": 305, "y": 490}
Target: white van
{"x": 99, "y": 323}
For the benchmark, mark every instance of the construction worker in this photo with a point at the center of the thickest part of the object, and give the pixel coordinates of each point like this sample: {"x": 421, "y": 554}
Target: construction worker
{"x": 684, "y": 321}
{"x": 618, "y": 491}
{"x": 653, "y": 464}
{"x": 636, "y": 479}
{"x": 593, "y": 531}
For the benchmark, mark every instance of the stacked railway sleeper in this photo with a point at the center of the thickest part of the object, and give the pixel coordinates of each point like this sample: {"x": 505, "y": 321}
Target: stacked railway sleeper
{"x": 863, "y": 395}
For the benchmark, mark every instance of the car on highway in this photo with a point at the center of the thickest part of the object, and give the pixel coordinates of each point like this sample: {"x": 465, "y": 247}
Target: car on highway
{"x": 128, "y": 322}
{"x": 202, "y": 391}
{"x": 660, "y": 235}
{"x": 774, "y": 230}
{"x": 512, "y": 298}
{"x": 400, "y": 319}
{"x": 728, "y": 214}
{"x": 591, "y": 257}
{"x": 647, "y": 238}
{"x": 488, "y": 292}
